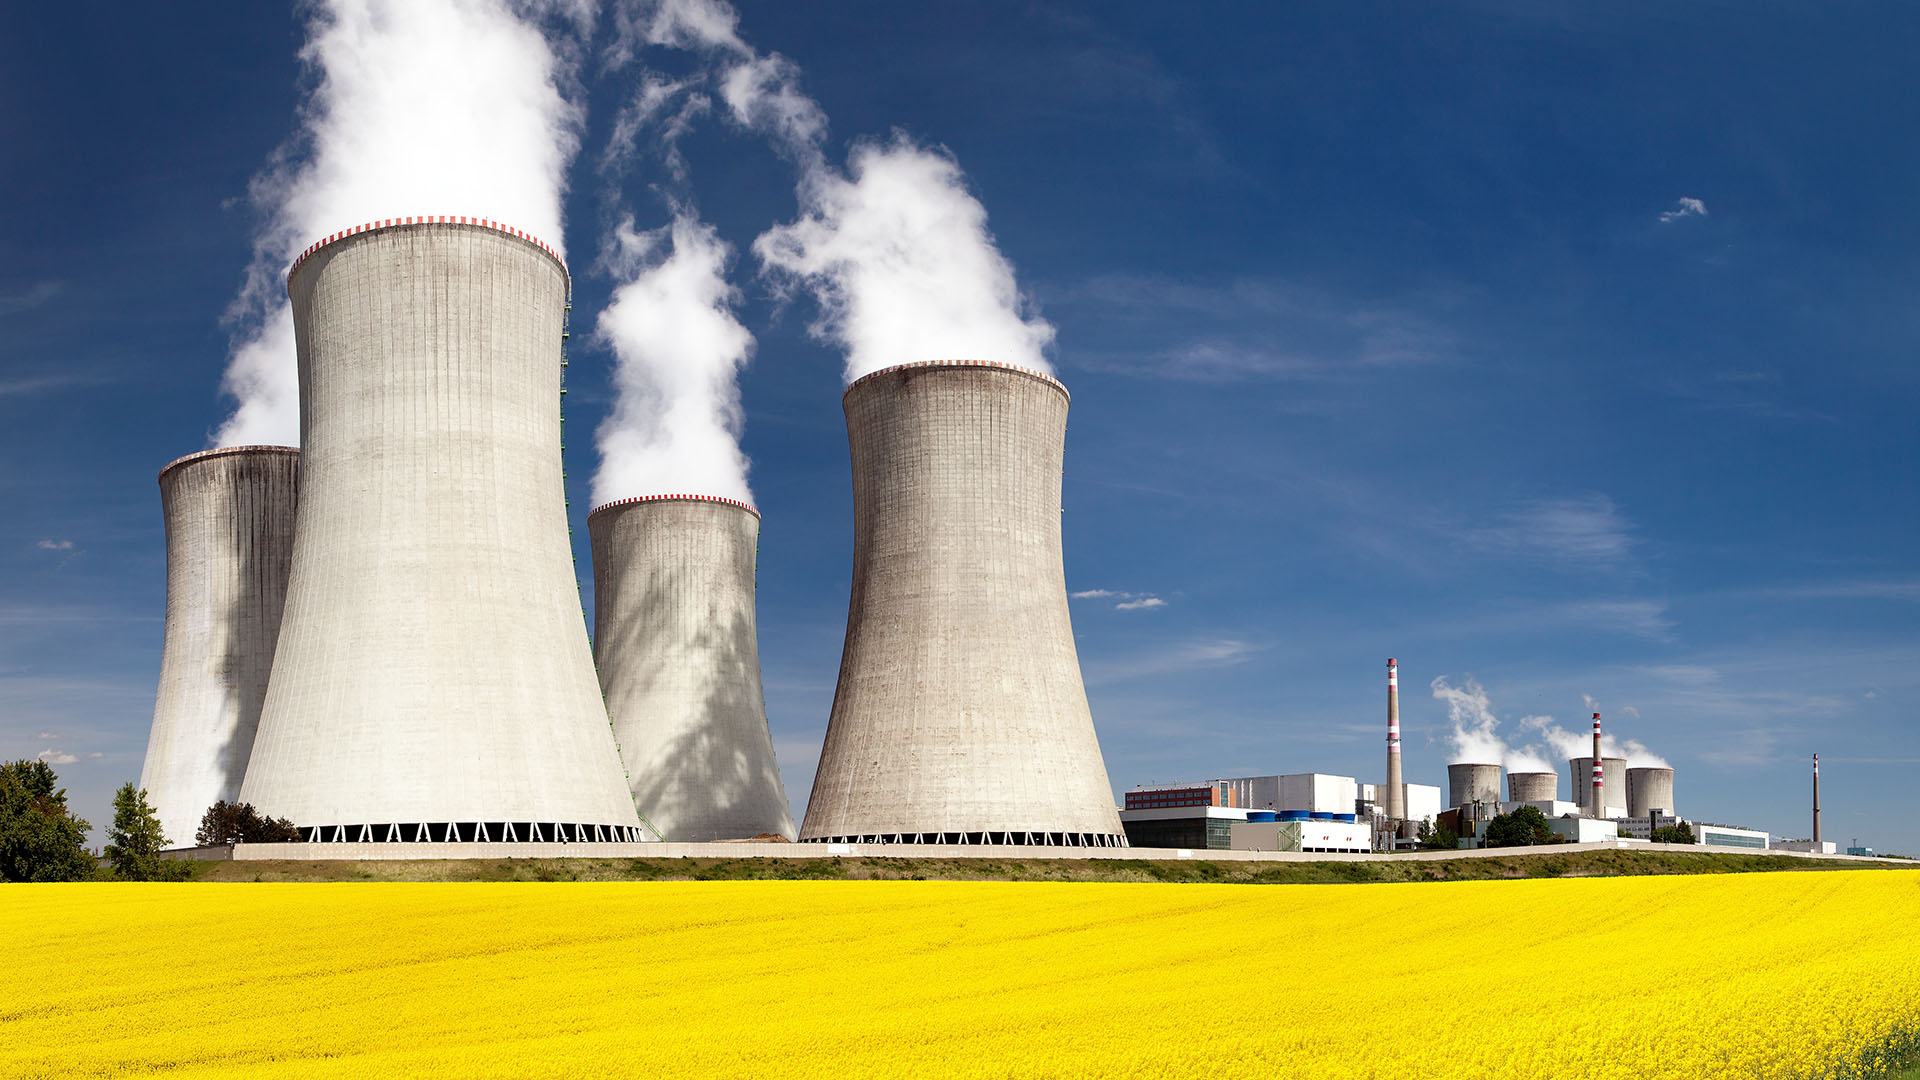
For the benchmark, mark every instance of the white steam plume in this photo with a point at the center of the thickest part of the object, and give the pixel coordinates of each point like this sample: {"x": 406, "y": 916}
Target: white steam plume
{"x": 418, "y": 107}
{"x": 1577, "y": 744}
{"x": 895, "y": 250}
{"x": 1476, "y": 736}
{"x": 676, "y": 420}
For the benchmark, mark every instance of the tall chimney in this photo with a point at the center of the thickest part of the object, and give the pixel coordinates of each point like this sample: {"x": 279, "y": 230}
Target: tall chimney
{"x": 1396, "y": 791}
{"x": 1816, "y": 798}
{"x": 1599, "y": 775}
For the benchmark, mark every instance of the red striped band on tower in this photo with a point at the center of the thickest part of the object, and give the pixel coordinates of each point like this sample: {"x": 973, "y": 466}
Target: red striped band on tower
{"x": 432, "y": 219}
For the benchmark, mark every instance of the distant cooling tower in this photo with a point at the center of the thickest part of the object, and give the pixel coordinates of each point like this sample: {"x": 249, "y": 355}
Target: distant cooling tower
{"x": 673, "y": 620}
{"x": 1649, "y": 789}
{"x": 433, "y": 678}
{"x": 1613, "y": 782}
{"x": 1469, "y": 783}
{"x": 960, "y": 715}
{"x": 229, "y": 517}
{"x": 1533, "y": 786}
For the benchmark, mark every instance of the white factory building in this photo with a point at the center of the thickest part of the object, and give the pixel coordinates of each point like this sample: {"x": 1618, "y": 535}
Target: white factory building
{"x": 1282, "y": 812}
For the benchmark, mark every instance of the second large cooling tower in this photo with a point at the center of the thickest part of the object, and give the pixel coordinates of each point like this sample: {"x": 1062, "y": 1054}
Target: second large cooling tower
{"x": 679, "y": 656}
{"x": 960, "y": 715}
{"x": 433, "y": 678}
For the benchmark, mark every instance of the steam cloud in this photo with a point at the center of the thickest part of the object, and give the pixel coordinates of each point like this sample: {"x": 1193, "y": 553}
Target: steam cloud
{"x": 419, "y": 107}
{"x": 895, "y": 250}
{"x": 1572, "y": 744}
{"x": 1476, "y": 735}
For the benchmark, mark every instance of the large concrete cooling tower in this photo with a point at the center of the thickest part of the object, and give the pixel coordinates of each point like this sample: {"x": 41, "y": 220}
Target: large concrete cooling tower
{"x": 1533, "y": 786}
{"x": 673, "y": 633}
{"x": 1649, "y": 789}
{"x": 1469, "y": 783}
{"x": 229, "y": 516}
{"x": 433, "y": 674}
{"x": 960, "y": 715}
{"x": 1613, "y": 783}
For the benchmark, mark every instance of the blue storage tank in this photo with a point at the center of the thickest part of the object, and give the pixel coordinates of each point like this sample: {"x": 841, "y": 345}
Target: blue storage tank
{"x": 1321, "y": 815}
{"x": 1294, "y": 815}
{"x": 1259, "y": 815}
{"x": 1347, "y": 818}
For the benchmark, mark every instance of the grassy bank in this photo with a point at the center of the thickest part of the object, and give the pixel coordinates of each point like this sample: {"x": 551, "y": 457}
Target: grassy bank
{"x": 880, "y": 868}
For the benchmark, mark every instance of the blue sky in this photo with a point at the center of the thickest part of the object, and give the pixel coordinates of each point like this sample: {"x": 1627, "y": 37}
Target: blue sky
{"x": 1568, "y": 350}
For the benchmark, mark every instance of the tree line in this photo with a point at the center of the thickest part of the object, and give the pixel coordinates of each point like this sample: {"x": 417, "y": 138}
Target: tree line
{"x": 42, "y": 840}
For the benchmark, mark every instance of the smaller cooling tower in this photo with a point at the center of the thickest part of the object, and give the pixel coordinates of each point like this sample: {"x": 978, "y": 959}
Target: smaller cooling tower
{"x": 1469, "y": 783}
{"x": 229, "y": 517}
{"x": 1648, "y": 789}
{"x": 679, "y": 659}
{"x": 1533, "y": 786}
{"x": 1613, "y": 783}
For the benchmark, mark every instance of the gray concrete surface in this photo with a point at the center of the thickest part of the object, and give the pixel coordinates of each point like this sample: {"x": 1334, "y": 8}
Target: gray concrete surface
{"x": 679, "y": 656}
{"x": 1468, "y": 783}
{"x": 229, "y": 517}
{"x": 1533, "y": 786}
{"x": 960, "y": 706}
{"x": 433, "y": 662}
{"x": 1613, "y": 782}
{"x": 1648, "y": 789}
{"x": 392, "y": 852}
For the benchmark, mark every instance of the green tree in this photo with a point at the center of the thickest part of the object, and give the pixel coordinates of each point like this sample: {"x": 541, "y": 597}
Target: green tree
{"x": 240, "y": 823}
{"x": 135, "y": 840}
{"x": 39, "y": 839}
{"x": 1436, "y": 837}
{"x": 1524, "y": 827}
{"x": 1677, "y": 833}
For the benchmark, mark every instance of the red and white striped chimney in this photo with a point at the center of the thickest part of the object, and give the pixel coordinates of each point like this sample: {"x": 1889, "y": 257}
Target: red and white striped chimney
{"x": 1396, "y": 790}
{"x": 1599, "y": 774}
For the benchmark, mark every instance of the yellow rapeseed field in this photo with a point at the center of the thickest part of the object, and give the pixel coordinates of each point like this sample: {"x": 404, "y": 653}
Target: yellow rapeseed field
{"x": 1754, "y": 975}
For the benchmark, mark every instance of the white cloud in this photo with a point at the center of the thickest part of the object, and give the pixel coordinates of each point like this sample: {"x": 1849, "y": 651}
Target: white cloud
{"x": 56, "y": 757}
{"x": 1143, "y": 602}
{"x": 55, "y": 545}
{"x": 1124, "y": 601}
{"x": 1586, "y": 532}
{"x": 1096, "y": 594}
{"x": 1687, "y": 206}
{"x": 1203, "y": 654}
{"x": 1636, "y": 618}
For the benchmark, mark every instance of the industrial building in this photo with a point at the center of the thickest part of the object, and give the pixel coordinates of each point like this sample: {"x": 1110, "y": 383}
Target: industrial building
{"x": 960, "y": 715}
{"x": 1817, "y": 847}
{"x": 433, "y": 678}
{"x": 679, "y": 661}
{"x": 1293, "y": 812}
{"x": 1708, "y": 835}
{"x": 229, "y": 520}
{"x": 1295, "y": 830}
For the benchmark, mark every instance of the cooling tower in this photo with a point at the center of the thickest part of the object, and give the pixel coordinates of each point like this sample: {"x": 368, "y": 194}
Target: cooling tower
{"x": 1469, "y": 783}
{"x": 433, "y": 678}
{"x": 1613, "y": 783}
{"x": 229, "y": 517}
{"x": 959, "y": 715}
{"x": 1649, "y": 789}
{"x": 673, "y": 633}
{"x": 1533, "y": 786}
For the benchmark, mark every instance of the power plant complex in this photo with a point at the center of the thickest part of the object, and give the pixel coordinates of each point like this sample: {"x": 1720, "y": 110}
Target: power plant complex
{"x": 379, "y": 635}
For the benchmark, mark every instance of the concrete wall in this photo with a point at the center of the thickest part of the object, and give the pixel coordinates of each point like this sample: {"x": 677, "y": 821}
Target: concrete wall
{"x": 229, "y": 517}
{"x": 1296, "y": 791}
{"x": 1468, "y": 783}
{"x": 959, "y": 705}
{"x": 1648, "y": 789}
{"x": 1613, "y": 784}
{"x": 1524, "y": 787}
{"x": 679, "y": 660}
{"x": 433, "y": 662}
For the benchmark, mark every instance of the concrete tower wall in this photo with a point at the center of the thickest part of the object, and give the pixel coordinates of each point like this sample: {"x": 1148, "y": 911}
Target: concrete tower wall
{"x": 960, "y": 708}
{"x": 433, "y": 664}
{"x": 1396, "y": 786}
{"x": 1533, "y": 786}
{"x": 679, "y": 658}
{"x": 1468, "y": 783}
{"x": 1649, "y": 789}
{"x": 1613, "y": 783}
{"x": 229, "y": 516}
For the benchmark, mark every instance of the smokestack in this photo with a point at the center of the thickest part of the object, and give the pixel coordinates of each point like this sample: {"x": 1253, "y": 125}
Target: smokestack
{"x": 433, "y": 673}
{"x": 674, "y": 637}
{"x": 229, "y": 518}
{"x": 1816, "y": 798}
{"x": 960, "y": 713}
{"x": 1396, "y": 790}
{"x": 1599, "y": 807}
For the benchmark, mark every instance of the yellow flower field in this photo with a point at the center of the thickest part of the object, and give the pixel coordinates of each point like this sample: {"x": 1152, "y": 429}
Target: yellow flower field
{"x": 1752, "y": 975}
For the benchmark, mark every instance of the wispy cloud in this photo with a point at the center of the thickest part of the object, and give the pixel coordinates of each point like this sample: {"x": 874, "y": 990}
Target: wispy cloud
{"x": 40, "y": 293}
{"x": 1587, "y": 532}
{"x": 1686, "y": 206}
{"x": 56, "y": 757}
{"x": 1175, "y": 658}
{"x": 1124, "y": 601}
{"x": 1635, "y": 618}
{"x": 1845, "y": 590}
{"x": 55, "y": 545}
